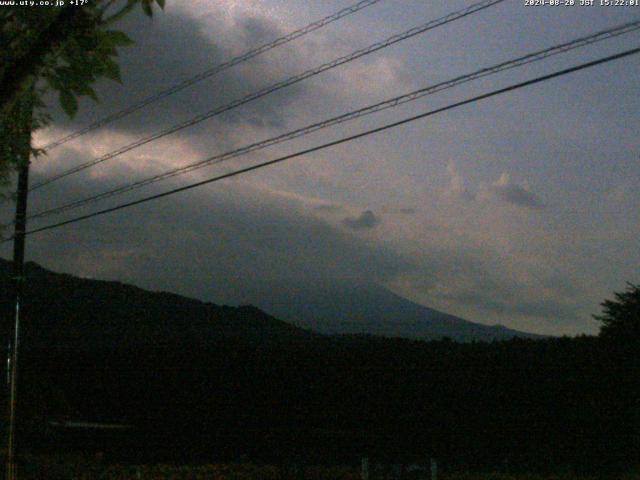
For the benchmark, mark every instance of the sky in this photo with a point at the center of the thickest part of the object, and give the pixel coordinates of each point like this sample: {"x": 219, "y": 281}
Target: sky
{"x": 520, "y": 210}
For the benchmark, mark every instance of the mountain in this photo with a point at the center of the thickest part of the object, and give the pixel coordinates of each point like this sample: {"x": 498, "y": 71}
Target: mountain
{"x": 95, "y": 314}
{"x": 203, "y": 383}
{"x": 348, "y": 308}
{"x": 63, "y": 310}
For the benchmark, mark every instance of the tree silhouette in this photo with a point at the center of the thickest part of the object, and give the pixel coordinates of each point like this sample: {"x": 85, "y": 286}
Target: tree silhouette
{"x": 65, "y": 50}
{"x": 620, "y": 318}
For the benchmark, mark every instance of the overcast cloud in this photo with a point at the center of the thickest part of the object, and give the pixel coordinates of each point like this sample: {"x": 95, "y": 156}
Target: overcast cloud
{"x": 521, "y": 210}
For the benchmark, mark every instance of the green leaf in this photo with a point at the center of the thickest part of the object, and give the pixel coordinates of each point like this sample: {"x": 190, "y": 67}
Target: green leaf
{"x": 68, "y": 102}
{"x": 115, "y": 38}
{"x": 146, "y": 7}
{"x": 111, "y": 70}
{"x": 87, "y": 90}
{"x": 53, "y": 82}
{"x": 66, "y": 78}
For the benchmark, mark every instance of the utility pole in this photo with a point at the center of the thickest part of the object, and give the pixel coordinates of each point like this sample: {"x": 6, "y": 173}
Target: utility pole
{"x": 23, "y": 152}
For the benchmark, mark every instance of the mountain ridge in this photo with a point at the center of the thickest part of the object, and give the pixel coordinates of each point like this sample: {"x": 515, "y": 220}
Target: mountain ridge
{"x": 95, "y": 313}
{"x": 367, "y": 308}
{"x": 63, "y": 310}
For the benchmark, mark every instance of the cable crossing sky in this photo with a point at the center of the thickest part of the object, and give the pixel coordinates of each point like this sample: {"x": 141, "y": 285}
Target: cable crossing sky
{"x": 352, "y": 115}
{"x": 307, "y": 151}
{"x": 214, "y": 71}
{"x": 451, "y": 17}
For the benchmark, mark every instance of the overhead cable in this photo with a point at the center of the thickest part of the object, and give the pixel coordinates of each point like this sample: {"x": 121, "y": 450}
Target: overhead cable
{"x": 350, "y": 138}
{"x": 377, "y": 107}
{"x": 277, "y": 86}
{"x": 213, "y": 71}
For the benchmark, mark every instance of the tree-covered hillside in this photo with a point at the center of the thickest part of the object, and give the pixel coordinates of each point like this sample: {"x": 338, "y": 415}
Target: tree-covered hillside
{"x": 199, "y": 382}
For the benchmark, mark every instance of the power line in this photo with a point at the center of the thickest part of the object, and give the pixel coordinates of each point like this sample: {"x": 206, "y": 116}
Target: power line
{"x": 214, "y": 71}
{"x": 386, "y": 104}
{"x": 278, "y": 86}
{"x": 344, "y": 140}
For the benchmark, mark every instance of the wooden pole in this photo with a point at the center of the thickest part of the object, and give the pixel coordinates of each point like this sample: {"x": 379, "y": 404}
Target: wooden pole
{"x": 24, "y": 117}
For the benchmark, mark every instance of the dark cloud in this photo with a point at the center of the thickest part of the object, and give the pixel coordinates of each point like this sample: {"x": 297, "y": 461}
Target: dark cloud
{"x": 365, "y": 221}
{"x": 231, "y": 243}
{"x": 515, "y": 194}
{"x": 217, "y": 243}
{"x": 393, "y": 210}
{"x": 173, "y": 47}
{"x": 255, "y": 30}
{"x": 408, "y": 211}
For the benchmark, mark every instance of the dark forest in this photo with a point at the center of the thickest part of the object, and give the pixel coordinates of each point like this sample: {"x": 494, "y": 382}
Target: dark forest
{"x": 198, "y": 382}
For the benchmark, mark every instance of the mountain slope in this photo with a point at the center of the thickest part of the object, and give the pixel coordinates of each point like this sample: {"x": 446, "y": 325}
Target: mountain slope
{"x": 370, "y": 309}
{"x": 67, "y": 310}
{"x": 64, "y": 311}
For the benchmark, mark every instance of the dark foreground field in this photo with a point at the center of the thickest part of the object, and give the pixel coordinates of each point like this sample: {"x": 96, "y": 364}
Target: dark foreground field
{"x": 60, "y": 467}
{"x": 194, "y": 384}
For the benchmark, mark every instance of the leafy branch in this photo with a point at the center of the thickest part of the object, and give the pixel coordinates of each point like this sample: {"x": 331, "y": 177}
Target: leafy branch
{"x": 63, "y": 49}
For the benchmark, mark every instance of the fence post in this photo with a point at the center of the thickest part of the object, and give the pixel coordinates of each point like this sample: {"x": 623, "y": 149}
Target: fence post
{"x": 364, "y": 472}
{"x": 434, "y": 469}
